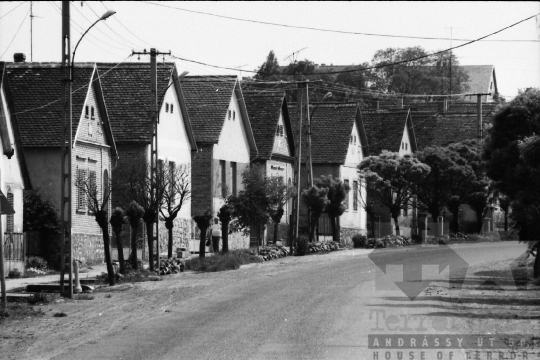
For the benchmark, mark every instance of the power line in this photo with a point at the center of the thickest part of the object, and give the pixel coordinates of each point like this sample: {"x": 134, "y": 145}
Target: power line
{"x": 15, "y": 34}
{"x": 320, "y": 29}
{"x": 6, "y": 14}
{"x": 110, "y": 28}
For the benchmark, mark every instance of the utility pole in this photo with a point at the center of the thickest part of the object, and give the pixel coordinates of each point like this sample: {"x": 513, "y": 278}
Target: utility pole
{"x": 303, "y": 102}
{"x": 31, "y": 32}
{"x": 479, "y": 113}
{"x": 154, "y": 144}
{"x": 67, "y": 143}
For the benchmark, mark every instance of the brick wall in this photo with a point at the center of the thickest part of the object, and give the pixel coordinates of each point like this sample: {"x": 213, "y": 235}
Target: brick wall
{"x": 129, "y": 155}
{"x": 88, "y": 248}
{"x": 201, "y": 180}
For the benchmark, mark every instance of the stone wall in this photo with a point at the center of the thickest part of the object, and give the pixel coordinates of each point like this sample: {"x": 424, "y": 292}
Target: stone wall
{"x": 346, "y": 234}
{"x": 88, "y": 248}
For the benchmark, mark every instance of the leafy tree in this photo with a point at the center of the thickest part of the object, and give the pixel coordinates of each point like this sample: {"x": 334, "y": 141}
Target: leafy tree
{"x": 393, "y": 178}
{"x": 225, "y": 216}
{"x": 511, "y": 155}
{"x": 316, "y": 198}
{"x": 476, "y": 189}
{"x": 279, "y": 194}
{"x": 448, "y": 172}
{"x": 252, "y": 206}
{"x": 428, "y": 75}
{"x": 203, "y": 223}
{"x": 117, "y": 220}
{"x": 39, "y": 214}
{"x": 269, "y": 68}
{"x": 134, "y": 212}
{"x": 98, "y": 206}
{"x": 337, "y": 193}
{"x": 176, "y": 192}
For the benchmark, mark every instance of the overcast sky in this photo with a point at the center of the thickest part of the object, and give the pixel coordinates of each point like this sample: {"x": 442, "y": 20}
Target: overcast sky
{"x": 234, "y": 43}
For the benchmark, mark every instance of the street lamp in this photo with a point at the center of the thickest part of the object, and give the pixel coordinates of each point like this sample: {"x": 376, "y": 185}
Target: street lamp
{"x": 67, "y": 137}
{"x": 107, "y": 14}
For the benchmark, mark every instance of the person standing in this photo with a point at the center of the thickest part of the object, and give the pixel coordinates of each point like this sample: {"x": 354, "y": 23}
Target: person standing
{"x": 216, "y": 234}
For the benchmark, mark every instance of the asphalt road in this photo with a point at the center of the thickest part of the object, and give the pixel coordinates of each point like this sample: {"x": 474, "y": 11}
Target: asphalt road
{"x": 318, "y": 307}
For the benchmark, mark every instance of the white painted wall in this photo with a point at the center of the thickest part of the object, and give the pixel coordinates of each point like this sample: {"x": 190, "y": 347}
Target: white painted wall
{"x": 405, "y": 147}
{"x": 353, "y": 218}
{"x": 233, "y": 144}
{"x": 173, "y": 140}
{"x": 10, "y": 174}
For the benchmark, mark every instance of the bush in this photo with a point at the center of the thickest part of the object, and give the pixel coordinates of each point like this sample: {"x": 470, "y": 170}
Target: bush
{"x": 14, "y": 274}
{"x": 359, "y": 241}
{"x": 302, "y": 245}
{"x": 223, "y": 261}
{"x": 37, "y": 263}
{"x": 38, "y": 298}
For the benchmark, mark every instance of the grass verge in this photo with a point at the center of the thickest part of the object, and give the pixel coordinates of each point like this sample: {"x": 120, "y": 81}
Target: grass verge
{"x": 221, "y": 262}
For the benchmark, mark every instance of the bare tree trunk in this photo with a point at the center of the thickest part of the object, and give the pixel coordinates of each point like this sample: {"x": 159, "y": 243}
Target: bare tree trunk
{"x": 455, "y": 221}
{"x": 506, "y": 221}
{"x": 202, "y": 249}
{"x": 120, "y": 250}
{"x": 150, "y": 236}
{"x": 276, "y": 229}
{"x": 170, "y": 244}
{"x": 396, "y": 224}
{"x": 134, "y": 230}
{"x": 335, "y": 230}
{"x": 225, "y": 235}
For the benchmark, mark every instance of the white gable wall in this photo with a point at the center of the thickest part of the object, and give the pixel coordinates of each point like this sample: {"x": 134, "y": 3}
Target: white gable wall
{"x": 405, "y": 146}
{"x": 233, "y": 144}
{"x": 173, "y": 141}
{"x": 351, "y": 218}
{"x": 10, "y": 174}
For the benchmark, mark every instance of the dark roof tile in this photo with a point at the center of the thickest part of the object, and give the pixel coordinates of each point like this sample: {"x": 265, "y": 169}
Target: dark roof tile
{"x": 384, "y": 130}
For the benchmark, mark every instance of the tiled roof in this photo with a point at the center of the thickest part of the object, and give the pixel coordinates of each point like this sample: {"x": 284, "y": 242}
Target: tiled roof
{"x": 331, "y": 128}
{"x": 384, "y": 130}
{"x": 263, "y": 109}
{"x": 126, "y": 89}
{"x": 37, "y": 95}
{"x": 207, "y": 100}
{"x": 434, "y": 129}
{"x": 479, "y": 77}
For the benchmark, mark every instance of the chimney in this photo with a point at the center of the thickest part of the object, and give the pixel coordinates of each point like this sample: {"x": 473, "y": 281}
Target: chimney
{"x": 19, "y": 57}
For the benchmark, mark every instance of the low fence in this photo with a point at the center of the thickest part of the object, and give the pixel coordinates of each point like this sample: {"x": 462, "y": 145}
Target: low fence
{"x": 14, "y": 247}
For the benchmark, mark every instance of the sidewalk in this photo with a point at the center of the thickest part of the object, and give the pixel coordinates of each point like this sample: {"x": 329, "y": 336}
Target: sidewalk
{"x": 17, "y": 283}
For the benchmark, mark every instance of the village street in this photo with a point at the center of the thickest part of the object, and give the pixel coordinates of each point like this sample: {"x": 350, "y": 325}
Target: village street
{"x": 313, "y": 307}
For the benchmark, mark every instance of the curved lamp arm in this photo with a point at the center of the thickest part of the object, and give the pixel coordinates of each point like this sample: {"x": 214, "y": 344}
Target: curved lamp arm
{"x": 103, "y": 17}
{"x": 326, "y": 96}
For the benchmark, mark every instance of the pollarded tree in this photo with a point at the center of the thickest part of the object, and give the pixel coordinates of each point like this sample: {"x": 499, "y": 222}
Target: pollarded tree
{"x": 98, "y": 203}
{"x": 316, "y": 198}
{"x": 368, "y": 199}
{"x": 393, "y": 178}
{"x": 147, "y": 190}
{"x": 117, "y": 220}
{"x": 337, "y": 193}
{"x": 175, "y": 194}
{"x": 203, "y": 223}
{"x": 134, "y": 212}
{"x": 225, "y": 216}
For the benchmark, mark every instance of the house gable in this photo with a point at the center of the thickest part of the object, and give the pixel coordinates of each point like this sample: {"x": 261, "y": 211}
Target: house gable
{"x": 281, "y": 138}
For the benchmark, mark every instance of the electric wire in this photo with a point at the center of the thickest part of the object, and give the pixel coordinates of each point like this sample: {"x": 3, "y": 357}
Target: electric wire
{"x": 320, "y": 29}
{"x": 17, "y": 33}
{"x": 6, "y": 14}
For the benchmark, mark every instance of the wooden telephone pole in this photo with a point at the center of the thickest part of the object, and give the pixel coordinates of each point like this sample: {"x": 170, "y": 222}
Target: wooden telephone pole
{"x": 154, "y": 110}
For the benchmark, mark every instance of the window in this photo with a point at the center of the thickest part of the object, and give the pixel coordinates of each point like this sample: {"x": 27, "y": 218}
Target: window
{"x": 81, "y": 194}
{"x": 406, "y": 146}
{"x": 233, "y": 177}
{"x": 171, "y": 108}
{"x": 354, "y": 140}
{"x": 223, "y": 178}
{"x": 355, "y": 195}
{"x": 9, "y": 218}
{"x": 229, "y": 114}
{"x": 92, "y": 113}
{"x": 86, "y": 111}
{"x": 234, "y": 115}
{"x": 106, "y": 185}
{"x": 90, "y": 130}
{"x": 166, "y": 107}
{"x": 347, "y": 198}
{"x": 405, "y": 210}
